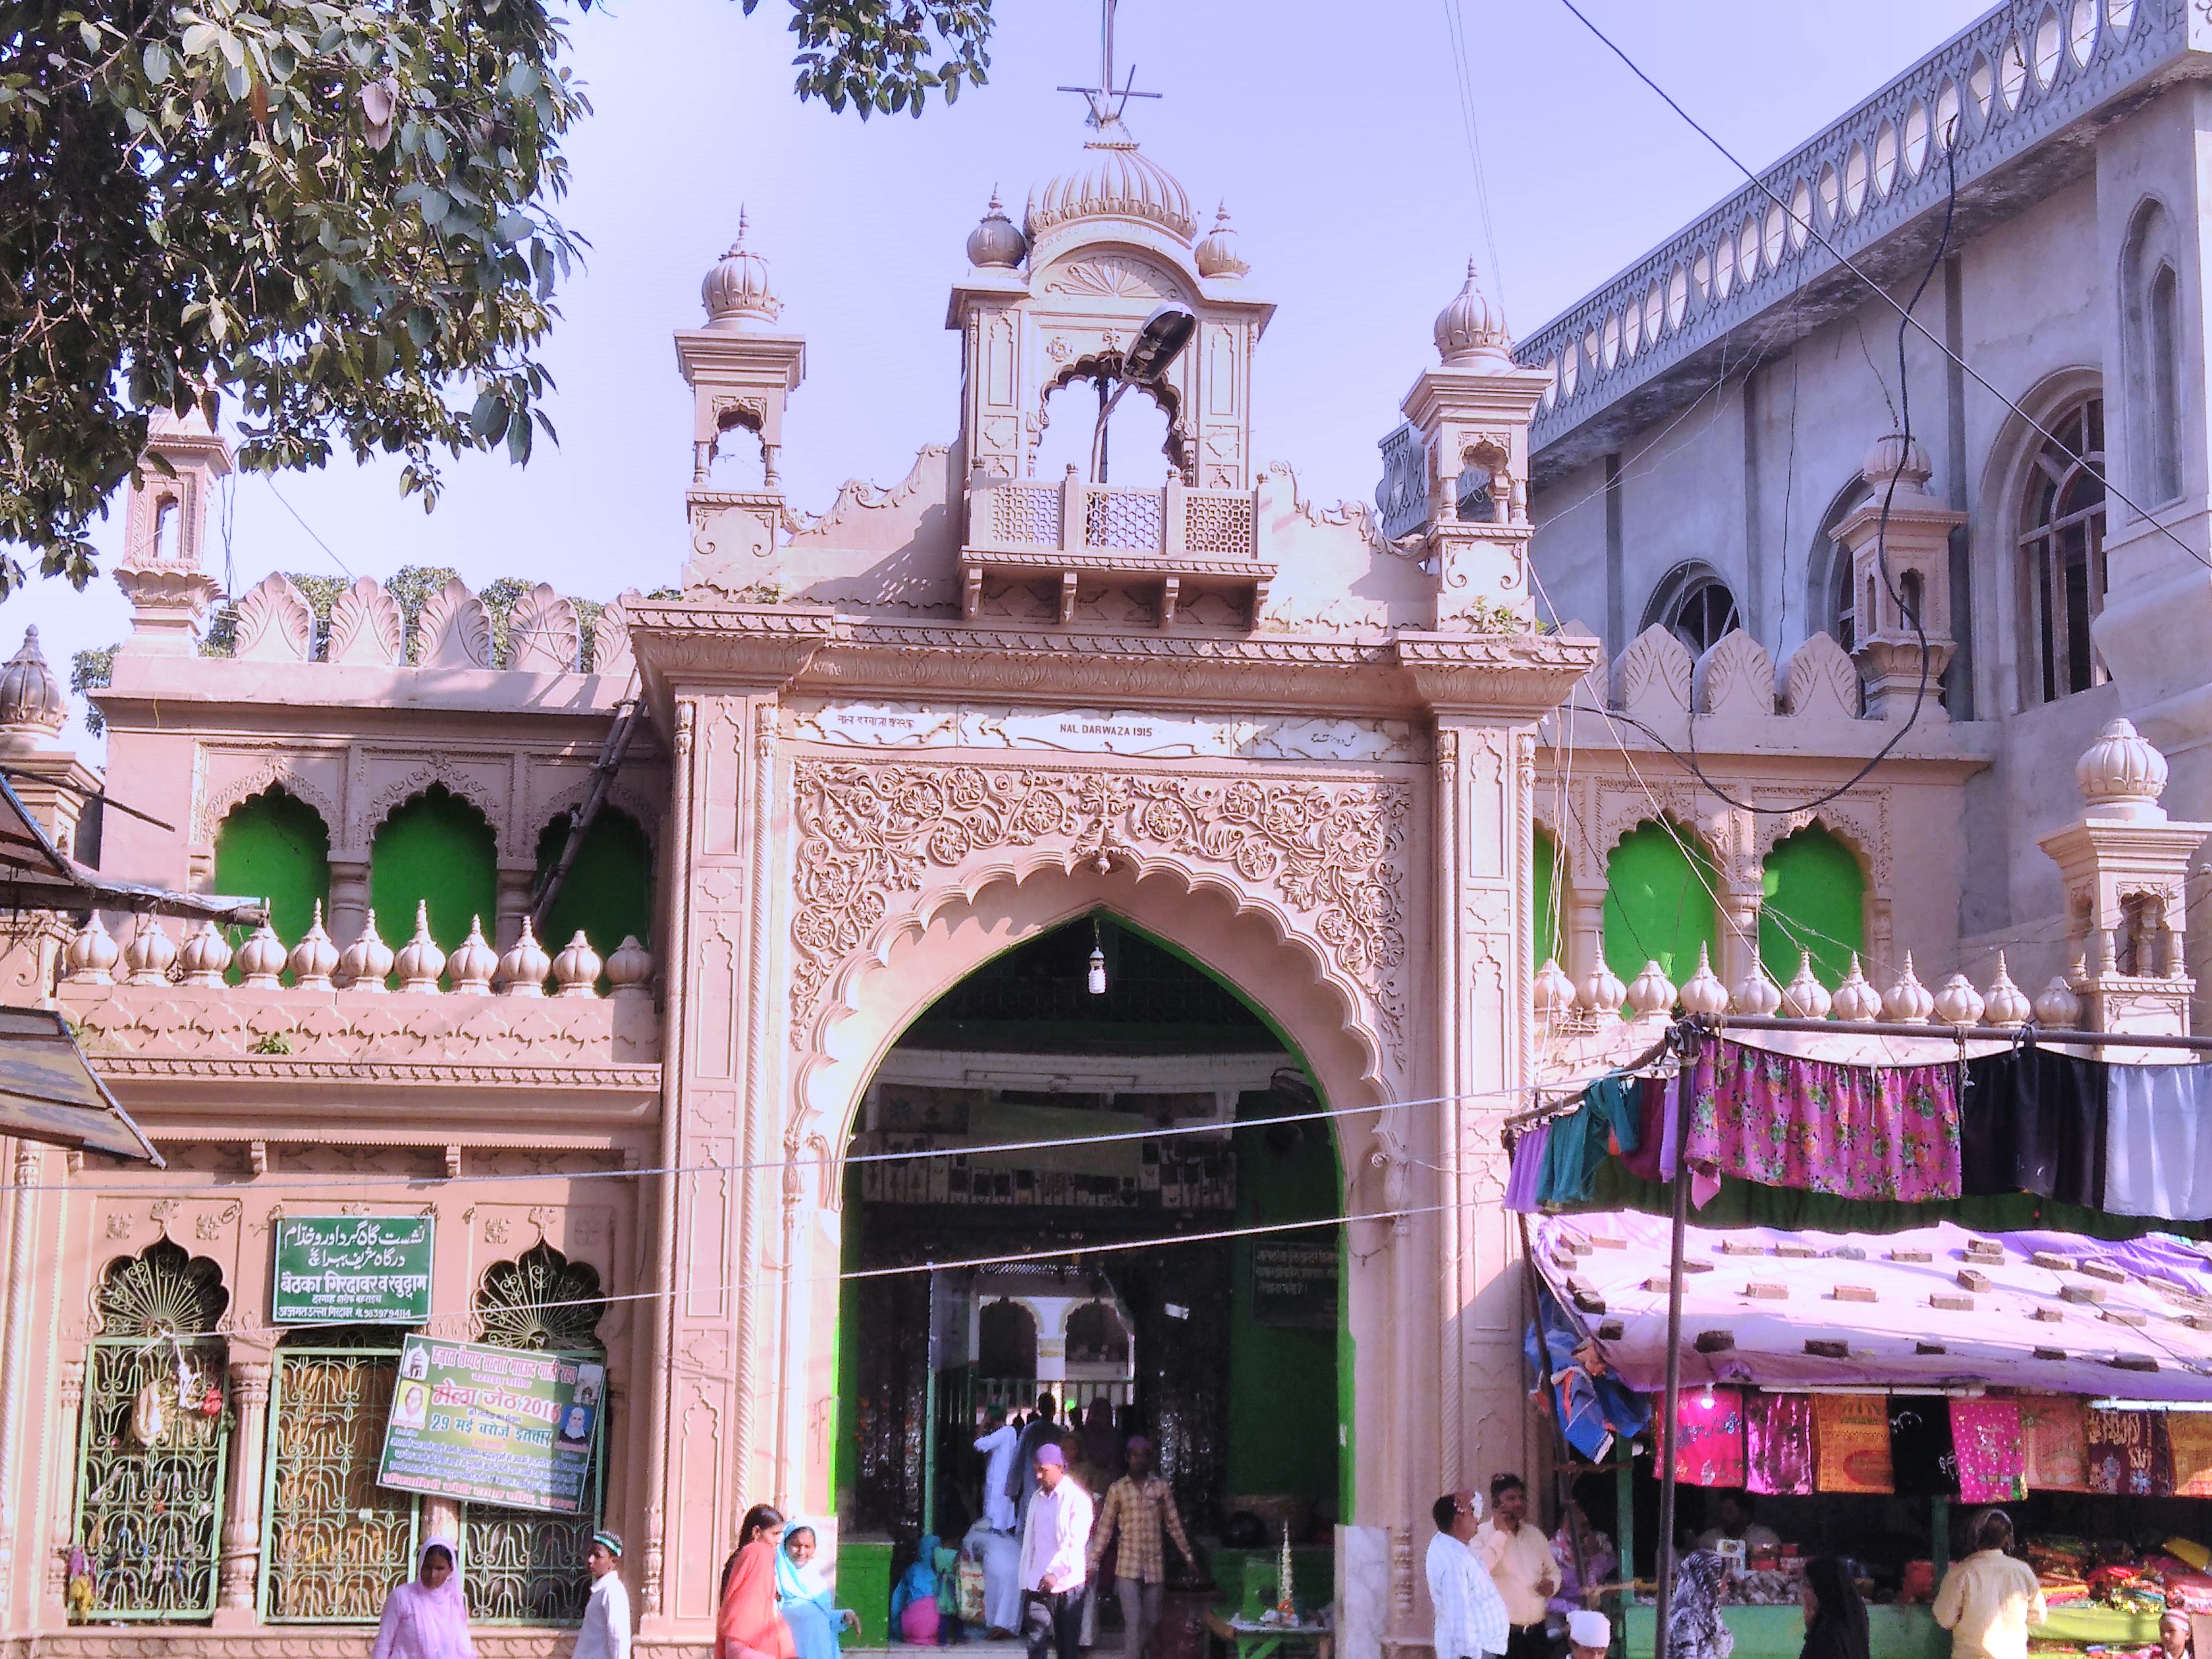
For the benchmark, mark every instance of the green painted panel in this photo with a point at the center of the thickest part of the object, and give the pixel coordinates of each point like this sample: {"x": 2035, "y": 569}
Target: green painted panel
{"x": 1816, "y": 901}
{"x": 276, "y": 847}
{"x": 864, "y": 1584}
{"x": 1659, "y": 903}
{"x": 1546, "y": 862}
{"x": 1347, "y": 1354}
{"x": 609, "y": 892}
{"x": 438, "y": 847}
{"x": 845, "y": 1362}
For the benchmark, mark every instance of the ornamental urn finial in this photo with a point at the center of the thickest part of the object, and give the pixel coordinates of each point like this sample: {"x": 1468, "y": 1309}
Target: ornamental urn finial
{"x": 1702, "y": 992}
{"x": 1899, "y": 456}
{"x": 314, "y": 958}
{"x": 363, "y": 964}
{"x": 2006, "y": 1006}
{"x": 1216, "y": 256}
{"x": 1650, "y": 992}
{"x": 522, "y": 970}
{"x": 1756, "y": 995}
{"x": 995, "y": 242}
{"x": 1854, "y": 1000}
{"x": 34, "y": 702}
{"x": 1805, "y": 997}
{"x": 2120, "y": 775}
{"x": 735, "y": 291}
{"x": 1554, "y": 993}
{"x": 419, "y": 961}
{"x": 1907, "y": 1001}
{"x": 1470, "y": 333}
{"x": 472, "y": 964}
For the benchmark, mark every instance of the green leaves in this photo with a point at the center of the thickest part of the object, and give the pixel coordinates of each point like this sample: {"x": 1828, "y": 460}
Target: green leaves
{"x": 340, "y": 212}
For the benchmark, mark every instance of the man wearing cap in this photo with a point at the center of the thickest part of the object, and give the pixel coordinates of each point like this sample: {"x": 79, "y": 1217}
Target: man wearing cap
{"x": 1470, "y": 1616}
{"x": 1589, "y": 1633}
{"x": 1054, "y": 1530}
{"x": 605, "y": 1631}
{"x": 1138, "y": 1506}
{"x": 997, "y": 1444}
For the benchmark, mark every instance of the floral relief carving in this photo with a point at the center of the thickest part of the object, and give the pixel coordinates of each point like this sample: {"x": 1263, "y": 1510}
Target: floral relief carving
{"x": 366, "y": 627}
{"x": 453, "y": 630}
{"x": 542, "y": 632}
{"x": 283, "y": 771}
{"x": 1328, "y": 852}
{"x": 275, "y": 623}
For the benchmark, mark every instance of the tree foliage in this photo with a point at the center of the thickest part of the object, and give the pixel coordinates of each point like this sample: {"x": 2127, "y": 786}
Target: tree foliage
{"x": 333, "y": 218}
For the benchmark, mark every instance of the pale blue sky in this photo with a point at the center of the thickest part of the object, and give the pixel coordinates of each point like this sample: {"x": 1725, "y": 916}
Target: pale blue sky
{"x": 1333, "y": 131}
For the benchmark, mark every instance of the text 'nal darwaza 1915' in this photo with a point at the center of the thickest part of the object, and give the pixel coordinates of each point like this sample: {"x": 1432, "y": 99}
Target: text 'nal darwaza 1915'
{"x": 1110, "y": 822}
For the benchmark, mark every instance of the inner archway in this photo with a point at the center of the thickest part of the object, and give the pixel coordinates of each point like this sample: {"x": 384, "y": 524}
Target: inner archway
{"x": 1134, "y": 1096}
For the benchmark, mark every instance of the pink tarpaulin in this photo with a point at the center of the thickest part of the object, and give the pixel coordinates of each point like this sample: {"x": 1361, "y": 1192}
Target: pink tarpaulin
{"x": 1782, "y": 1310}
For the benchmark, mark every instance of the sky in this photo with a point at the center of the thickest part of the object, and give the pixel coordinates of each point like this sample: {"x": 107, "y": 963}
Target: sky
{"x": 1334, "y": 134}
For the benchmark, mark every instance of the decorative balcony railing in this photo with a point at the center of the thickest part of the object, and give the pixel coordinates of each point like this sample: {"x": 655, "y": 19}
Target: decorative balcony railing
{"x": 2011, "y": 80}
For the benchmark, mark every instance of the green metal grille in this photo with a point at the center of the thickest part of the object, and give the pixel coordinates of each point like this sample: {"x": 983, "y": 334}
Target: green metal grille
{"x": 149, "y": 1506}
{"x": 333, "y": 1541}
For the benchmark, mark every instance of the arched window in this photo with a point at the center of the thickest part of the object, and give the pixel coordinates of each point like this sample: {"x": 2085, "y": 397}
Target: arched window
{"x": 153, "y": 1435}
{"x": 1832, "y": 598}
{"x": 334, "y": 1540}
{"x": 523, "y": 1566}
{"x": 1815, "y": 900}
{"x": 276, "y": 847}
{"x": 441, "y": 848}
{"x": 2062, "y": 544}
{"x": 608, "y": 894}
{"x": 1659, "y": 888}
{"x": 2150, "y": 312}
{"x": 1007, "y": 1342}
{"x": 1097, "y": 1336}
{"x": 1695, "y": 605}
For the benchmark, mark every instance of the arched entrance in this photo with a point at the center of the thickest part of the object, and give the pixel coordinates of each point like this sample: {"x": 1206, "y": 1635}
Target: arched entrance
{"x": 1159, "y": 1119}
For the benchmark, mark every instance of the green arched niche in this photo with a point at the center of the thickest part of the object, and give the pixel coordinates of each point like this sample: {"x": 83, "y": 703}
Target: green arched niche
{"x": 1816, "y": 901}
{"x": 274, "y": 846}
{"x": 608, "y": 894}
{"x": 1659, "y": 888}
{"x": 1544, "y": 860}
{"x": 438, "y": 847}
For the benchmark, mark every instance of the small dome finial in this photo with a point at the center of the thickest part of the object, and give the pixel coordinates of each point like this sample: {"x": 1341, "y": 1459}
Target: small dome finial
{"x": 994, "y": 242}
{"x": 1216, "y": 256}
{"x": 1469, "y": 334}
{"x": 735, "y": 291}
{"x": 34, "y": 702}
{"x": 2120, "y": 775}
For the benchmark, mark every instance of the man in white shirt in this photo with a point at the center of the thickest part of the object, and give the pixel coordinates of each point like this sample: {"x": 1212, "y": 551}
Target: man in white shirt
{"x": 1055, "y": 1539}
{"x": 996, "y": 1444}
{"x": 605, "y": 1631}
{"x": 1470, "y": 1616}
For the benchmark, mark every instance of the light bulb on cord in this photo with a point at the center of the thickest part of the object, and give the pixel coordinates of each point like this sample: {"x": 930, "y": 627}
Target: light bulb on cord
{"x": 1706, "y": 1400}
{"x": 1096, "y": 980}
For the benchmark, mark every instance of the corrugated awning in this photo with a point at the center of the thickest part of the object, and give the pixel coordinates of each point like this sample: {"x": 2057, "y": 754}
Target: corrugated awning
{"x": 48, "y": 1091}
{"x": 1935, "y": 1307}
{"x": 37, "y": 875}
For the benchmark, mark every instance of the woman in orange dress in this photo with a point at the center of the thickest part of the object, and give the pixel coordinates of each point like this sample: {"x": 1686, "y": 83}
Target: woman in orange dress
{"x": 749, "y": 1627}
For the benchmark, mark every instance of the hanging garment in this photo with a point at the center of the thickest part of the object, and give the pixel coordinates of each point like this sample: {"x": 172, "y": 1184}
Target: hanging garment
{"x": 1854, "y": 1131}
{"x": 1708, "y": 1451}
{"x": 1525, "y": 1182}
{"x": 2054, "y": 1447}
{"x": 1923, "y": 1462}
{"x": 1992, "y": 1463}
{"x": 1643, "y": 1160}
{"x": 1581, "y": 1140}
{"x": 2033, "y": 1122}
{"x": 1778, "y": 1444}
{"x": 1592, "y": 1404}
{"x": 1850, "y": 1443}
{"x": 2128, "y": 1454}
{"x": 2158, "y": 1142}
{"x": 2189, "y": 1441}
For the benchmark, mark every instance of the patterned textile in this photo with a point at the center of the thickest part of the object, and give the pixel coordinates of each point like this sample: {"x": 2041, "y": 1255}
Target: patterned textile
{"x": 2189, "y": 1434}
{"x": 2129, "y": 1454}
{"x": 1778, "y": 1444}
{"x": 1852, "y": 1131}
{"x": 1850, "y": 1443}
{"x": 1922, "y": 1463}
{"x": 1711, "y": 1449}
{"x": 1986, "y": 1435}
{"x": 2055, "y": 1454}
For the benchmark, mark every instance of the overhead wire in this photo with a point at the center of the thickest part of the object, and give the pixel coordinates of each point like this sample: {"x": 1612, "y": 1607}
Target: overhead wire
{"x": 1455, "y": 32}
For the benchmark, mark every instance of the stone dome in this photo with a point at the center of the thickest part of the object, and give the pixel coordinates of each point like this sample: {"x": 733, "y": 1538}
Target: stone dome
{"x": 995, "y": 242}
{"x": 2120, "y": 775}
{"x": 1217, "y": 255}
{"x": 1113, "y": 180}
{"x": 1469, "y": 333}
{"x": 1881, "y": 461}
{"x": 33, "y": 699}
{"x": 736, "y": 290}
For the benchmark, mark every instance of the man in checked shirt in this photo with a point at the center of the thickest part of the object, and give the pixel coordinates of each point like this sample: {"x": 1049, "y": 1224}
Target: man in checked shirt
{"x": 1136, "y": 1507}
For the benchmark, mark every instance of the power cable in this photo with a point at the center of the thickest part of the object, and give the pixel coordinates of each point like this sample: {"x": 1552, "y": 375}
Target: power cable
{"x": 1455, "y": 32}
{"x": 305, "y": 526}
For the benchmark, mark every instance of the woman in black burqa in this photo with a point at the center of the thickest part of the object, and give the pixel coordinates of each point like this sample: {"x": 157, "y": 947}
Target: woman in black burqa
{"x": 1835, "y": 1617}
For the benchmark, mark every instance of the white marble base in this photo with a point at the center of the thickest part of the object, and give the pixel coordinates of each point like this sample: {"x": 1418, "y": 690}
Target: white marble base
{"x": 1363, "y": 1582}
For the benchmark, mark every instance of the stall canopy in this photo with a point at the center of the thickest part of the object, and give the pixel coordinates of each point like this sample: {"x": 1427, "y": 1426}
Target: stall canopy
{"x": 1932, "y": 1308}
{"x": 48, "y": 1093}
{"x": 37, "y": 875}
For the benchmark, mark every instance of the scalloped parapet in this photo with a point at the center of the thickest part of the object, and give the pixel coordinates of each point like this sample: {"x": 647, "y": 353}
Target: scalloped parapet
{"x": 455, "y": 629}
{"x": 543, "y": 633}
{"x": 1735, "y": 676}
{"x": 367, "y": 627}
{"x": 610, "y": 650}
{"x": 1821, "y": 682}
{"x": 1651, "y": 678}
{"x": 275, "y": 623}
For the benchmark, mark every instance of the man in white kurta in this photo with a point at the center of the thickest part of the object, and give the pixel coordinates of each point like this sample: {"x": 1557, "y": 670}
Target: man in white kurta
{"x": 996, "y": 1444}
{"x": 605, "y": 1631}
{"x": 1055, "y": 1559}
{"x": 1470, "y": 1613}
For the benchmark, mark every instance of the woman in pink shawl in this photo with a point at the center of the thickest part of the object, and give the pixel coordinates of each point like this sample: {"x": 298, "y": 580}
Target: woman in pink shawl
{"x": 427, "y": 1618}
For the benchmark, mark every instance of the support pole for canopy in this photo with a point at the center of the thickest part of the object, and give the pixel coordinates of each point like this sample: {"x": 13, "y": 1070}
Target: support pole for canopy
{"x": 1625, "y": 1526}
{"x": 1670, "y": 1419}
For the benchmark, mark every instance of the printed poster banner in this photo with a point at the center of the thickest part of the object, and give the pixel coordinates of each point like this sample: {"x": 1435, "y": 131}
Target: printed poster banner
{"x": 1294, "y": 1280}
{"x": 353, "y": 1270}
{"x": 497, "y": 1426}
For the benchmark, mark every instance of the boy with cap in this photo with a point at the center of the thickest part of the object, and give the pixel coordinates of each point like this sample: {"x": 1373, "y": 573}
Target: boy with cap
{"x": 605, "y": 1631}
{"x": 1589, "y": 1633}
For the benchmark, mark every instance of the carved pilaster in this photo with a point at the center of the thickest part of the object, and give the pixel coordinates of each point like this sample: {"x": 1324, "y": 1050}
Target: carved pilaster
{"x": 241, "y": 1515}
{"x": 16, "y": 1348}
{"x": 61, "y": 1524}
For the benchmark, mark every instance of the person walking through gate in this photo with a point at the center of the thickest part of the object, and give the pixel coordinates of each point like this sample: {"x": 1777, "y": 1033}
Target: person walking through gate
{"x": 428, "y": 1617}
{"x": 1055, "y": 1532}
{"x": 1021, "y": 1479}
{"x": 605, "y": 1631}
{"x": 1522, "y": 1565}
{"x": 1137, "y": 1507}
{"x": 998, "y": 1443}
{"x": 1470, "y": 1617}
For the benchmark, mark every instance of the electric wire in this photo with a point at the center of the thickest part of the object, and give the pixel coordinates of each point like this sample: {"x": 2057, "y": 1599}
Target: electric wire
{"x": 305, "y": 526}
{"x": 1455, "y": 32}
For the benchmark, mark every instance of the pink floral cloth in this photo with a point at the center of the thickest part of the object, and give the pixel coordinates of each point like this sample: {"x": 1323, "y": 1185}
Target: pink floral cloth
{"x": 1852, "y": 1131}
{"x": 1992, "y": 1451}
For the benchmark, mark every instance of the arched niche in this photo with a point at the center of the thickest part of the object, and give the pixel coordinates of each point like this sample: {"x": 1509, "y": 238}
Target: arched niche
{"x": 1006, "y": 1340}
{"x": 608, "y": 894}
{"x": 274, "y": 846}
{"x": 1660, "y": 884}
{"x": 1815, "y": 900}
{"x": 438, "y": 848}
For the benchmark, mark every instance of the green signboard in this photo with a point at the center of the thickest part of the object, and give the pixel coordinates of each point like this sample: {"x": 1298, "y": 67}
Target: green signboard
{"x": 498, "y": 1425}
{"x": 353, "y": 1270}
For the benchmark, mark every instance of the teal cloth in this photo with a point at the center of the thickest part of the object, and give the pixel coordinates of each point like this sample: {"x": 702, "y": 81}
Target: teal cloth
{"x": 817, "y": 1626}
{"x": 1577, "y": 1148}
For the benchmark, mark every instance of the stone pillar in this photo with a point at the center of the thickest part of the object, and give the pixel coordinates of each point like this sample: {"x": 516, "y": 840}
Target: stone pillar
{"x": 1585, "y": 930}
{"x": 1740, "y": 904}
{"x": 16, "y": 1347}
{"x": 63, "y": 1523}
{"x": 516, "y": 879}
{"x": 236, "y": 1607}
{"x": 349, "y": 900}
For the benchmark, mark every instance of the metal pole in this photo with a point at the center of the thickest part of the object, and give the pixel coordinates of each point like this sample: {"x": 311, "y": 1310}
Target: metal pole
{"x": 1671, "y": 1418}
{"x": 1098, "y": 432}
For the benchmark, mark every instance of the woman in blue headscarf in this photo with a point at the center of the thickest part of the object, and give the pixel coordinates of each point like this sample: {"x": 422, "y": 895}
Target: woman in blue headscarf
{"x": 914, "y": 1599}
{"x": 803, "y": 1598}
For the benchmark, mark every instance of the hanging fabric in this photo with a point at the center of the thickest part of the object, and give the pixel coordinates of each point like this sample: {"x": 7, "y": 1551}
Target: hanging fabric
{"x": 1850, "y": 1443}
{"x": 1653, "y": 1097}
{"x": 1992, "y": 1461}
{"x": 2158, "y": 1142}
{"x": 1923, "y": 1462}
{"x": 1708, "y": 1449}
{"x": 2054, "y": 1445}
{"x": 2034, "y": 1121}
{"x": 1525, "y": 1182}
{"x": 1853, "y": 1131}
{"x": 2189, "y": 1441}
{"x": 1581, "y": 1140}
{"x": 1592, "y": 1404}
{"x": 1777, "y": 1435}
{"x": 2129, "y": 1456}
